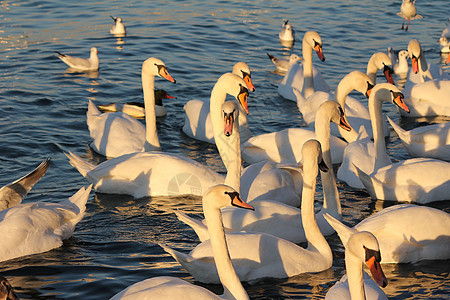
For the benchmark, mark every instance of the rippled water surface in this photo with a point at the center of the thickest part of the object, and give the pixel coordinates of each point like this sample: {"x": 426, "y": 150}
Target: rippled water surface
{"x": 43, "y": 112}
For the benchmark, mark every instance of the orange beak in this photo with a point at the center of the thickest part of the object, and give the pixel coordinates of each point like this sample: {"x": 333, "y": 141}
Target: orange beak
{"x": 400, "y": 103}
{"x": 377, "y": 272}
{"x": 415, "y": 65}
{"x": 165, "y": 74}
{"x": 249, "y": 83}
{"x": 228, "y": 128}
{"x": 237, "y": 201}
{"x": 319, "y": 52}
{"x": 388, "y": 74}
{"x": 344, "y": 124}
{"x": 242, "y": 98}
{"x": 448, "y": 59}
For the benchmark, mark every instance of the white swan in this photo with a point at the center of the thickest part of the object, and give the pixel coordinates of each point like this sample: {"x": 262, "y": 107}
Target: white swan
{"x": 355, "y": 112}
{"x": 118, "y": 28}
{"x": 260, "y": 255}
{"x": 6, "y": 290}
{"x": 82, "y": 64}
{"x": 427, "y": 88}
{"x": 167, "y": 287}
{"x": 361, "y": 247}
{"x": 277, "y": 218}
{"x": 13, "y": 193}
{"x": 287, "y": 33}
{"x": 197, "y": 122}
{"x": 283, "y": 65}
{"x": 380, "y": 61}
{"x": 118, "y": 133}
{"x": 426, "y": 141}
{"x": 156, "y": 173}
{"x": 406, "y": 233}
{"x": 304, "y": 77}
{"x": 408, "y": 11}
{"x": 137, "y": 109}
{"x": 363, "y": 153}
{"x": 38, "y": 227}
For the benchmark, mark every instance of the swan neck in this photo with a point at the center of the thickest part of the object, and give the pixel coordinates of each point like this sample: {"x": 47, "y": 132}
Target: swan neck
{"x": 372, "y": 71}
{"x": 151, "y": 134}
{"x": 308, "y": 81}
{"x": 344, "y": 88}
{"x": 233, "y": 288}
{"x": 355, "y": 277}
{"x": 376, "y": 117}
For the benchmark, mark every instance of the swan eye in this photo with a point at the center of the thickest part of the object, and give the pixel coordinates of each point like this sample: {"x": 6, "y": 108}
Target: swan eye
{"x": 243, "y": 90}
{"x": 245, "y": 74}
{"x": 387, "y": 69}
{"x": 372, "y": 253}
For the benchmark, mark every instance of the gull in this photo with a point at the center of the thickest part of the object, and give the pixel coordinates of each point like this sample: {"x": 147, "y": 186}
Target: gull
{"x": 82, "y": 64}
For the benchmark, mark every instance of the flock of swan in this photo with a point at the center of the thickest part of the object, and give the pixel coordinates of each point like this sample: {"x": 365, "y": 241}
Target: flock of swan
{"x": 254, "y": 217}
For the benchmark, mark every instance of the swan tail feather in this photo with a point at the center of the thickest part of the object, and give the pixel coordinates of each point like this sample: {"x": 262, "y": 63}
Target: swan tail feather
{"x": 78, "y": 163}
{"x": 180, "y": 257}
{"x": 81, "y": 197}
{"x": 200, "y": 229}
{"x": 92, "y": 110}
{"x": 342, "y": 230}
{"x": 367, "y": 181}
{"x": 400, "y": 131}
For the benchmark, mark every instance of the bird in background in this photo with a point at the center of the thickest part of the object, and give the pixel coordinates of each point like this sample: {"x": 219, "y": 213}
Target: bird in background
{"x": 287, "y": 33}
{"x": 408, "y": 11}
{"x": 118, "y": 28}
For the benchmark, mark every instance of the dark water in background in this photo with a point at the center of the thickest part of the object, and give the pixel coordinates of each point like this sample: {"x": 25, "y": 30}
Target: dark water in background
{"x": 43, "y": 111}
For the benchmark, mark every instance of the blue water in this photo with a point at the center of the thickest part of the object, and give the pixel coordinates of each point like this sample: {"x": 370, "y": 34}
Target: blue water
{"x": 43, "y": 112}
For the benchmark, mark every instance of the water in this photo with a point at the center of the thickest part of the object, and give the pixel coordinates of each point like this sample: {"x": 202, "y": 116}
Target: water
{"x": 43, "y": 109}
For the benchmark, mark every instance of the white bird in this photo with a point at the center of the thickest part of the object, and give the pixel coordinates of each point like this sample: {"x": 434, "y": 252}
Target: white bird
{"x": 13, "y": 193}
{"x": 280, "y": 219}
{"x": 260, "y": 255}
{"x": 427, "y": 88}
{"x": 157, "y": 173}
{"x": 118, "y": 133}
{"x": 304, "y": 77}
{"x": 406, "y": 233}
{"x": 197, "y": 122}
{"x": 283, "y": 65}
{"x": 167, "y": 287}
{"x": 118, "y": 28}
{"x": 6, "y": 290}
{"x": 361, "y": 248}
{"x": 38, "y": 227}
{"x": 137, "y": 109}
{"x": 444, "y": 44}
{"x": 380, "y": 61}
{"x": 401, "y": 66}
{"x": 426, "y": 141}
{"x": 82, "y": 64}
{"x": 408, "y": 11}
{"x": 363, "y": 153}
{"x": 287, "y": 33}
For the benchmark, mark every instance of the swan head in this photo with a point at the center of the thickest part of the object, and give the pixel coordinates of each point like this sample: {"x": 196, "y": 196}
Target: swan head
{"x": 312, "y": 155}
{"x": 222, "y": 195}
{"x": 335, "y": 113}
{"x": 155, "y": 67}
{"x": 313, "y": 39}
{"x": 358, "y": 81}
{"x": 235, "y": 86}
{"x": 242, "y": 70}
{"x": 415, "y": 52}
{"x": 162, "y": 94}
{"x": 230, "y": 115}
{"x": 383, "y": 62}
{"x": 389, "y": 92}
{"x": 364, "y": 245}
{"x": 6, "y": 290}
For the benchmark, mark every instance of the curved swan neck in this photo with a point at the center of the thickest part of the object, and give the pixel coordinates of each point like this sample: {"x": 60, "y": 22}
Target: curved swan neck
{"x": 376, "y": 117}
{"x": 308, "y": 81}
{"x": 233, "y": 288}
{"x": 372, "y": 70}
{"x": 354, "y": 267}
{"x": 151, "y": 134}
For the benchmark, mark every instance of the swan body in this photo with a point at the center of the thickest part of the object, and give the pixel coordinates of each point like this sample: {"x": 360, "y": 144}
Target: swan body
{"x": 166, "y": 287}
{"x": 38, "y": 227}
{"x": 287, "y": 33}
{"x": 156, "y": 173}
{"x": 444, "y": 44}
{"x": 136, "y": 109}
{"x": 260, "y": 255}
{"x": 406, "y": 233}
{"x": 283, "y": 65}
{"x": 304, "y": 77}
{"x": 197, "y": 122}
{"x": 13, "y": 193}
{"x": 118, "y": 28}
{"x": 360, "y": 248}
{"x": 426, "y": 141}
{"x": 82, "y": 64}
{"x": 408, "y": 11}
{"x": 363, "y": 153}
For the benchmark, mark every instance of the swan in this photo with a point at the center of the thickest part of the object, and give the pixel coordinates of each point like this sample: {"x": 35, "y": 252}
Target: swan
{"x": 287, "y": 33}
{"x": 380, "y": 61}
{"x": 118, "y": 28}
{"x": 305, "y": 77}
{"x": 82, "y": 64}
{"x": 156, "y": 173}
{"x": 280, "y": 219}
{"x": 118, "y": 133}
{"x": 136, "y": 109}
{"x": 6, "y": 290}
{"x": 283, "y": 65}
{"x": 444, "y": 44}
{"x": 38, "y": 227}
{"x": 356, "y": 113}
{"x": 426, "y": 141}
{"x": 408, "y": 11}
{"x": 213, "y": 200}
{"x": 197, "y": 122}
{"x": 361, "y": 247}
{"x": 427, "y": 88}
{"x": 13, "y": 193}
{"x": 363, "y": 153}
{"x": 261, "y": 255}
{"x": 406, "y": 233}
